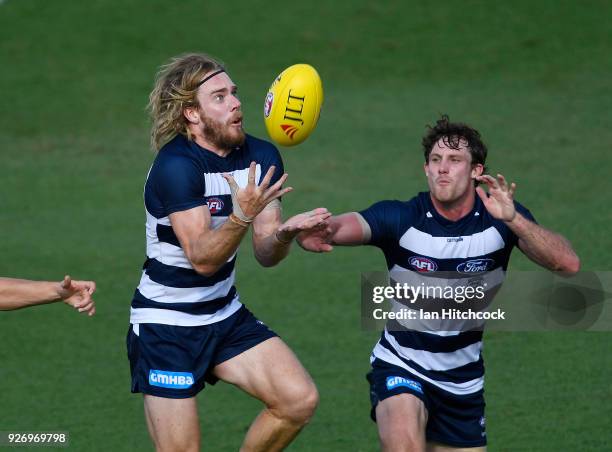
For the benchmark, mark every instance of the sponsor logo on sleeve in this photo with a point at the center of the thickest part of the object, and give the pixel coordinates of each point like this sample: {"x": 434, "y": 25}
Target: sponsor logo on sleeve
{"x": 396, "y": 382}
{"x": 167, "y": 379}
{"x": 475, "y": 266}
{"x": 422, "y": 264}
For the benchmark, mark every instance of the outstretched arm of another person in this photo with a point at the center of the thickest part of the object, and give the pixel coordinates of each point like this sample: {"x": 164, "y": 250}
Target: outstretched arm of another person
{"x": 348, "y": 229}
{"x": 22, "y": 293}
{"x": 272, "y": 238}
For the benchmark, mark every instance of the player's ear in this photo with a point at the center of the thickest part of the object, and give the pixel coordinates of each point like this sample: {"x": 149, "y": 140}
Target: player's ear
{"x": 425, "y": 168}
{"x": 477, "y": 170}
{"x": 191, "y": 114}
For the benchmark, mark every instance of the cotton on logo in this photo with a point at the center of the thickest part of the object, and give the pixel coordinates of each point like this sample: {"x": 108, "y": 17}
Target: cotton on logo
{"x": 422, "y": 264}
{"x": 214, "y": 205}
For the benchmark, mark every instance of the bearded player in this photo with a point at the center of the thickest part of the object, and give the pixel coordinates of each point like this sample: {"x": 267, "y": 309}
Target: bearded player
{"x": 427, "y": 386}
{"x": 209, "y": 184}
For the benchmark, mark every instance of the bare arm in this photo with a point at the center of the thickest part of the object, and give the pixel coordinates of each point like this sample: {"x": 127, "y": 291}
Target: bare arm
{"x": 22, "y": 293}
{"x": 208, "y": 249}
{"x": 348, "y": 229}
{"x": 544, "y": 247}
{"x": 272, "y": 238}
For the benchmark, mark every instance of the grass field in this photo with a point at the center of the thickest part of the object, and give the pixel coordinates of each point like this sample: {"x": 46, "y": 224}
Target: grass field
{"x": 533, "y": 77}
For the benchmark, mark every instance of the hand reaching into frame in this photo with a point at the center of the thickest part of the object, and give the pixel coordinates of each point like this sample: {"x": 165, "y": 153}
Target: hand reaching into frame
{"x": 314, "y": 220}
{"x": 316, "y": 240}
{"x": 78, "y": 294}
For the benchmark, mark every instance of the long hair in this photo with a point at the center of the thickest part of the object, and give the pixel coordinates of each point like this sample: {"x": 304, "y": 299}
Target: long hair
{"x": 176, "y": 87}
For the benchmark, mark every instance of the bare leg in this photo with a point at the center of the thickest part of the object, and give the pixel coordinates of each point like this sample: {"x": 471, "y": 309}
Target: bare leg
{"x": 401, "y": 421}
{"x": 272, "y": 373}
{"x": 173, "y": 423}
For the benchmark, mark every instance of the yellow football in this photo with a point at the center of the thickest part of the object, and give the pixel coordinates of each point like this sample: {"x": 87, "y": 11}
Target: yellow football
{"x": 293, "y": 104}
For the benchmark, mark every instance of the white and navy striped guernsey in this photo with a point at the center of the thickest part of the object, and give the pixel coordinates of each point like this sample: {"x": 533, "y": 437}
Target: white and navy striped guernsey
{"x": 183, "y": 176}
{"x": 414, "y": 237}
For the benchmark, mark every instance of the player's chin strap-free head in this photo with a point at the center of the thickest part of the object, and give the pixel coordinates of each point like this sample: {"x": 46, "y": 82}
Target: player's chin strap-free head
{"x": 208, "y": 77}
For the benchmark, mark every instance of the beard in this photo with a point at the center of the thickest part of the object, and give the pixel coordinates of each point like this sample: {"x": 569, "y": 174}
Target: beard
{"x": 223, "y": 136}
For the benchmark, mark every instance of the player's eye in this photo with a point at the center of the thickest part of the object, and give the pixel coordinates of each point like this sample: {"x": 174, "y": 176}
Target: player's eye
{"x": 219, "y": 98}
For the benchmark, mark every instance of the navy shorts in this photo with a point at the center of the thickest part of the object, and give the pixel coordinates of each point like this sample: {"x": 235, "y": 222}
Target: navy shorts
{"x": 453, "y": 420}
{"x": 176, "y": 361}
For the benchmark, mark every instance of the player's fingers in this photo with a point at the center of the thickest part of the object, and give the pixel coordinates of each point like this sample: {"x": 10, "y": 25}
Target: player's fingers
{"x": 91, "y": 310}
{"x": 320, "y": 210}
{"x": 84, "y": 301}
{"x": 87, "y": 307}
{"x": 491, "y": 181}
{"x": 512, "y": 189}
{"x": 89, "y": 286}
{"x": 482, "y": 194}
{"x": 277, "y": 186}
{"x": 320, "y": 219}
{"x": 487, "y": 180}
{"x": 266, "y": 180}
{"x": 502, "y": 182}
{"x": 280, "y": 193}
{"x": 231, "y": 181}
{"x": 252, "y": 171}
{"x": 66, "y": 282}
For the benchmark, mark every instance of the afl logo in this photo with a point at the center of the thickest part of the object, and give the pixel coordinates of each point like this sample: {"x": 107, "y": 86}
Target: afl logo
{"x": 215, "y": 205}
{"x": 475, "y": 266}
{"x": 422, "y": 264}
{"x": 268, "y": 104}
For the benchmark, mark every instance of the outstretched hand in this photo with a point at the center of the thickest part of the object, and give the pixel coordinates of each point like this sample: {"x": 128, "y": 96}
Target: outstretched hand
{"x": 251, "y": 200}
{"x": 78, "y": 294}
{"x": 314, "y": 220}
{"x": 499, "y": 201}
{"x": 316, "y": 240}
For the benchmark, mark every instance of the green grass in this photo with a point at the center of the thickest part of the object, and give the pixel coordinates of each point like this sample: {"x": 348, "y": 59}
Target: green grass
{"x": 533, "y": 77}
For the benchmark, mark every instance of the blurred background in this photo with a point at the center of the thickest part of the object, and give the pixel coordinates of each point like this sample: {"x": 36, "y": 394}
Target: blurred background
{"x": 533, "y": 77}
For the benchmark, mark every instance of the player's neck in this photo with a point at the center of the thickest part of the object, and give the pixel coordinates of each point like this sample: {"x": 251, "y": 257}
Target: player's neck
{"x": 457, "y": 209}
{"x": 204, "y": 143}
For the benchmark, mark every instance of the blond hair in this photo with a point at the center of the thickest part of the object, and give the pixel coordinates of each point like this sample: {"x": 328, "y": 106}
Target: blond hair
{"x": 176, "y": 87}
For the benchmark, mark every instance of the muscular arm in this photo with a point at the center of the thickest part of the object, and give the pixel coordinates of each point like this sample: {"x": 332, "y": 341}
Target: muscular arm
{"x": 348, "y": 229}
{"x": 544, "y": 247}
{"x": 22, "y": 293}
{"x": 268, "y": 248}
{"x": 206, "y": 248}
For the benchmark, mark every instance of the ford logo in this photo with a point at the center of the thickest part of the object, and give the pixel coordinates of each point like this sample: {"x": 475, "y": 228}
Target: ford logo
{"x": 475, "y": 266}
